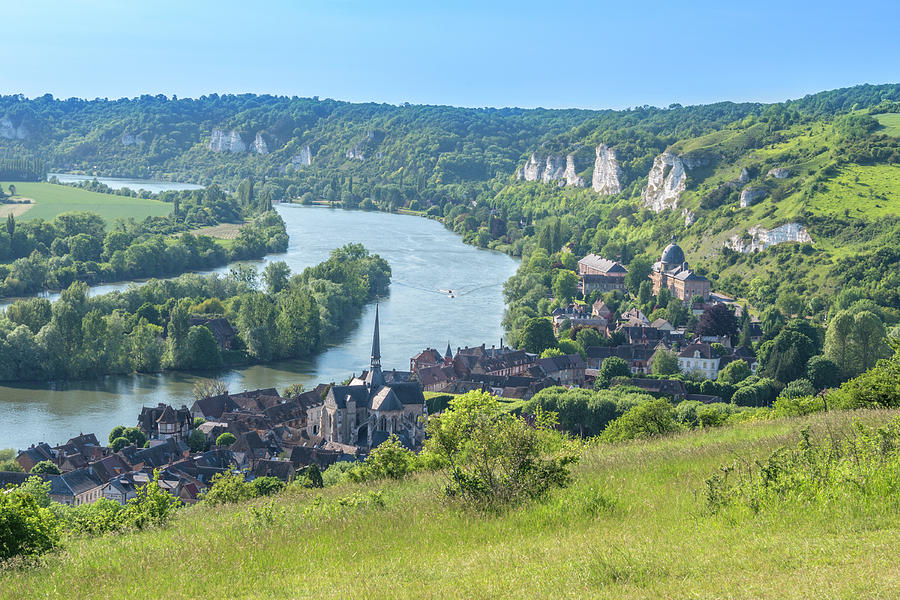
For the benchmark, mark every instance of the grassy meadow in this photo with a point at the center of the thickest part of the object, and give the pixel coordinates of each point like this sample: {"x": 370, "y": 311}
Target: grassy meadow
{"x": 50, "y": 200}
{"x": 635, "y": 524}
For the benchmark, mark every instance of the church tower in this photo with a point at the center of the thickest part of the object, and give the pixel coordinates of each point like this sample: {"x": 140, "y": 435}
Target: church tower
{"x": 376, "y": 377}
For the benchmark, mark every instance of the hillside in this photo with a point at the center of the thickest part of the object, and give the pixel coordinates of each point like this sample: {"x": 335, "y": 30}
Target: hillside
{"x": 635, "y": 524}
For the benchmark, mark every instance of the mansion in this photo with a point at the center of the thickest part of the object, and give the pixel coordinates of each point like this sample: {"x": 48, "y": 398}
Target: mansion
{"x": 671, "y": 271}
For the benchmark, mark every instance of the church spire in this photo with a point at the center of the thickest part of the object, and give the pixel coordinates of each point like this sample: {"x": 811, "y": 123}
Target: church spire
{"x": 375, "y": 376}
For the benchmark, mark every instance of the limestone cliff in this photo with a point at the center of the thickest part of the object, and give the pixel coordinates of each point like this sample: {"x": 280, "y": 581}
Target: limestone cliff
{"x": 759, "y": 238}
{"x": 259, "y": 145}
{"x": 304, "y": 159}
{"x": 129, "y": 139}
{"x": 607, "y": 175}
{"x": 571, "y": 177}
{"x": 665, "y": 182}
{"x": 9, "y": 131}
{"x": 553, "y": 169}
{"x": 230, "y": 141}
{"x": 751, "y": 196}
{"x": 532, "y": 169}
{"x": 779, "y": 173}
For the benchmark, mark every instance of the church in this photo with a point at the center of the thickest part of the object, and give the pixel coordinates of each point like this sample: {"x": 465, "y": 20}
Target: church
{"x": 371, "y": 408}
{"x": 671, "y": 271}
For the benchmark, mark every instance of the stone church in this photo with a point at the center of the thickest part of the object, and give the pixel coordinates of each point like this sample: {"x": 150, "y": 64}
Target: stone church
{"x": 671, "y": 271}
{"x": 370, "y": 409}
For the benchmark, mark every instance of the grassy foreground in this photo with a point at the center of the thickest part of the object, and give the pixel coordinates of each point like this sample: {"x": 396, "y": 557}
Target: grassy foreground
{"x": 634, "y": 525}
{"x": 51, "y": 199}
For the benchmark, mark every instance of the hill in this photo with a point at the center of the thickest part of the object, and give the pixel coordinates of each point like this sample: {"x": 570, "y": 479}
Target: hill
{"x": 636, "y": 523}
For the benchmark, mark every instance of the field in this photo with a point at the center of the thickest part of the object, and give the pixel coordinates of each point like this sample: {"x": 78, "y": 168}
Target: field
{"x": 890, "y": 122}
{"x": 51, "y": 200}
{"x": 634, "y": 525}
{"x": 223, "y": 231}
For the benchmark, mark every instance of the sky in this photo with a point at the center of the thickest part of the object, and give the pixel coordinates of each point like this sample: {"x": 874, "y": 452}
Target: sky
{"x": 553, "y": 54}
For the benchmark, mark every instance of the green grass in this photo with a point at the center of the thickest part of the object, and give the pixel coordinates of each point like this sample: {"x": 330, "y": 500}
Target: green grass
{"x": 633, "y": 525}
{"x": 51, "y": 200}
{"x": 861, "y": 191}
{"x": 890, "y": 122}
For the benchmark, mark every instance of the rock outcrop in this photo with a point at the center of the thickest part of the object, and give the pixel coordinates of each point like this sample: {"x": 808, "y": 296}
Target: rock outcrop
{"x": 607, "y": 177}
{"x": 226, "y": 141}
{"x": 129, "y": 139}
{"x": 299, "y": 160}
{"x": 665, "y": 182}
{"x": 259, "y": 145}
{"x": 759, "y": 238}
{"x": 744, "y": 177}
{"x": 779, "y": 173}
{"x": 8, "y": 131}
{"x": 532, "y": 169}
{"x": 751, "y": 196}
{"x": 689, "y": 217}
{"x": 553, "y": 169}
{"x": 571, "y": 177}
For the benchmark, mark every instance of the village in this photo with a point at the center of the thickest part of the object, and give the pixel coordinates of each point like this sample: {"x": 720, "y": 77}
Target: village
{"x": 261, "y": 433}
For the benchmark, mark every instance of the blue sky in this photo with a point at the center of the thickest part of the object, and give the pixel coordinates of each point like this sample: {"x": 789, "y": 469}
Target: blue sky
{"x": 554, "y": 54}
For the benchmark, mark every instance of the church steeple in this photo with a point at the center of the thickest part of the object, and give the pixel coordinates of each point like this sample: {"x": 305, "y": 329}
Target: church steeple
{"x": 376, "y": 378}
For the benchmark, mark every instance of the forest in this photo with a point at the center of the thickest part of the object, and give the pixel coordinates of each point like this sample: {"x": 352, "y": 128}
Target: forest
{"x": 163, "y": 324}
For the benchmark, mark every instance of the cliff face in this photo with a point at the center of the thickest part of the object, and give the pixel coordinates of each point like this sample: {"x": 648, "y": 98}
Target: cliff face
{"x": 759, "y": 238}
{"x": 230, "y": 141}
{"x": 553, "y": 169}
{"x": 607, "y": 173}
{"x": 9, "y": 131}
{"x": 259, "y": 145}
{"x": 571, "y": 177}
{"x": 304, "y": 159}
{"x": 532, "y": 169}
{"x": 779, "y": 173}
{"x": 666, "y": 181}
{"x": 130, "y": 139}
{"x": 751, "y": 196}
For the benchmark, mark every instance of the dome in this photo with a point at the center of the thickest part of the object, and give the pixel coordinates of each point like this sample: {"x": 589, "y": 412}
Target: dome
{"x": 673, "y": 254}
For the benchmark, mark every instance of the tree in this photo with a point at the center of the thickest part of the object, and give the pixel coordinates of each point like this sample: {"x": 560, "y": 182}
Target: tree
{"x": 665, "y": 362}
{"x": 312, "y": 477}
{"x": 870, "y": 339}
{"x": 784, "y": 358}
{"x": 565, "y": 286}
{"x": 717, "y": 319}
{"x": 799, "y": 388}
{"x": 735, "y": 372}
{"x": 822, "y": 373}
{"x": 552, "y": 352}
{"x": 10, "y": 465}
{"x": 276, "y": 276}
{"x": 207, "y": 388}
{"x": 226, "y": 439}
{"x": 568, "y": 346}
{"x": 117, "y": 432}
{"x": 537, "y": 335}
{"x": 612, "y": 366}
{"x": 196, "y": 441}
{"x": 645, "y": 292}
{"x": 202, "y": 349}
{"x": 28, "y": 529}
{"x": 45, "y": 467}
{"x": 388, "y": 460}
{"x": 588, "y": 336}
{"x": 879, "y": 387}
{"x": 120, "y": 442}
{"x": 638, "y": 273}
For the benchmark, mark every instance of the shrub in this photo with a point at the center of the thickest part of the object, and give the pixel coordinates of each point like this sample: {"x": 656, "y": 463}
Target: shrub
{"x": 822, "y": 372}
{"x": 152, "y": 506}
{"x": 798, "y": 388}
{"x": 226, "y": 439}
{"x": 45, "y": 467}
{"x": 227, "y": 488}
{"x": 389, "y": 460}
{"x": 879, "y": 387}
{"x": 495, "y": 458}
{"x": 119, "y": 443}
{"x": 437, "y": 402}
{"x": 579, "y": 411}
{"x": 648, "y": 419}
{"x": 311, "y": 477}
{"x": 10, "y": 465}
{"x": 266, "y": 486}
{"x": 797, "y": 406}
{"x": 26, "y": 528}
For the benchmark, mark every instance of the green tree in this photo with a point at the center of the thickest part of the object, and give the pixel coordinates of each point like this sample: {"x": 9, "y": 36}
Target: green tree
{"x": 226, "y": 439}
{"x": 822, "y": 373}
{"x": 784, "y": 358}
{"x": 119, "y": 443}
{"x": 588, "y": 336}
{"x": 537, "y": 335}
{"x": 665, "y": 362}
{"x": 565, "y": 286}
{"x": 276, "y": 276}
{"x": 10, "y": 465}
{"x": 552, "y": 352}
{"x": 45, "y": 467}
{"x": 27, "y": 528}
{"x": 638, "y": 272}
{"x": 612, "y": 366}
{"x": 735, "y": 372}
{"x": 388, "y": 460}
{"x": 202, "y": 349}
{"x": 196, "y": 441}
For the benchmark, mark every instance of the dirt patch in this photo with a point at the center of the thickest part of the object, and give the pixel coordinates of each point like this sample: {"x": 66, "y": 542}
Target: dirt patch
{"x": 24, "y": 204}
{"x": 223, "y": 231}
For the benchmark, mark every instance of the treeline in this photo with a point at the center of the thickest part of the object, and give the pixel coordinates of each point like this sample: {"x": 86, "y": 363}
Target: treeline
{"x": 149, "y": 328}
{"x": 22, "y": 168}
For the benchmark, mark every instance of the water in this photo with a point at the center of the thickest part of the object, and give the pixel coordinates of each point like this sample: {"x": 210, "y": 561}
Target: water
{"x": 425, "y": 258}
{"x": 117, "y": 183}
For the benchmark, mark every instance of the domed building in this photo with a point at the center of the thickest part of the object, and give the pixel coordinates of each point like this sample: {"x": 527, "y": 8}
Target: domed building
{"x": 671, "y": 271}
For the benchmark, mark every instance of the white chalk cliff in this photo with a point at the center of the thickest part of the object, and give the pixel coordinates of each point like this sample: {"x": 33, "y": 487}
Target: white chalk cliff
{"x": 759, "y": 238}
{"x": 666, "y": 181}
{"x": 304, "y": 159}
{"x": 779, "y": 173}
{"x": 222, "y": 141}
{"x": 571, "y": 177}
{"x": 129, "y": 139}
{"x": 607, "y": 173}
{"x": 751, "y": 196}
{"x": 9, "y": 131}
{"x": 553, "y": 170}
{"x": 259, "y": 145}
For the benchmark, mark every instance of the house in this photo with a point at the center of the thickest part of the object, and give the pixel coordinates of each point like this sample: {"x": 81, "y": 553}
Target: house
{"x": 163, "y": 421}
{"x": 602, "y": 284}
{"x": 578, "y": 315}
{"x": 212, "y": 408}
{"x": 84, "y": 487}
{"x": 596, "y": 265}
{"x": 219, "y": 327}
{"x": 427, "y": 358}
{"x": 600, "y": 309}
{"x": 671, "y": 271}
{"x": 120, "y": 489}
{"x": 638, "y": 356}
{"x": 699, "y": 357}
{"x": 662, "y": 325}
{"x": 282, "y": 469}
{"x": 564, "y": 370}
{"x": 31, "y": 456}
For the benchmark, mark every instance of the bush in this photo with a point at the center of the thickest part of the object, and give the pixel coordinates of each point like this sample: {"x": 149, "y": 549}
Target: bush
{"x": 26, "y": 528}
{"x": 311, "y": 477}
{"x": 797, "y": 406}
{"x": 648, "y": 419}
{"x": 582, "y": 412}
{"x": 10, "y": 465}
{"x": 45, "y": 467}
{"x": 437, "y": 402}
{"x": 266, "y": 486}
{"x": 226, "y": 439}
{"x": 389, "y": 460}
{"x": 151, "y": 507}
{"x": 227, "y": 488}
{"x": 496, "y": 458}
{"x": 879, "y": 387}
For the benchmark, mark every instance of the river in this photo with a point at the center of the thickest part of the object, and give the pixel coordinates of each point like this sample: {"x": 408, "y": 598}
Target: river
{"x": 425, "y": 258}
{"x": 117, "y": 183}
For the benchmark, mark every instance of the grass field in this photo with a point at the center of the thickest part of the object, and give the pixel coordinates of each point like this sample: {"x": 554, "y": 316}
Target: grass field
{"x": 633, "y": 525}
{"x": 222, "y": 231}
{"x": 51, "y": 200}
{"x": 890, "y": 122}
{"x": 861, "y": 191}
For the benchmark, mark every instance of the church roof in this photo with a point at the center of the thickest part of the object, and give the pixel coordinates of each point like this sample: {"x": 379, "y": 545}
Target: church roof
{"x": 385, "y": 399}
{"x": 689, "y": 275}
